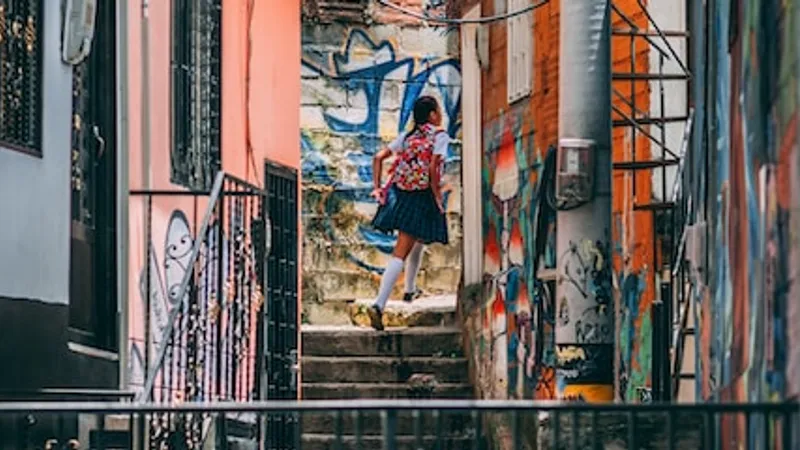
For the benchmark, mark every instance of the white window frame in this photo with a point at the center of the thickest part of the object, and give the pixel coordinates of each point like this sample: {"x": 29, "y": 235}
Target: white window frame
{"x": 519, "y": 44}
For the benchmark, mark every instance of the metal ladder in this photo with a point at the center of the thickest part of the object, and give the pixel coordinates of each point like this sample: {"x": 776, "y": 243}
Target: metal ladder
{"x": 633, "y": 24}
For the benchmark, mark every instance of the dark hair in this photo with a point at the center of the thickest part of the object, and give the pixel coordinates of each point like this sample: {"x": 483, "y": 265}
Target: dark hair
{"x": 423, "y": 108}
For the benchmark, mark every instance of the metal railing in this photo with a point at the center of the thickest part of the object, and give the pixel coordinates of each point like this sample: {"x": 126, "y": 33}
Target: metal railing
{"x": 205, "y": 343}
{"x": 448, "y": 424}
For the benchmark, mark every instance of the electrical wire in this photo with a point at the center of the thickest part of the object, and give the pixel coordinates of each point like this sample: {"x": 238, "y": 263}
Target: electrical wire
{"x": 480, "y": 20}
{"x": 251, "y": 159}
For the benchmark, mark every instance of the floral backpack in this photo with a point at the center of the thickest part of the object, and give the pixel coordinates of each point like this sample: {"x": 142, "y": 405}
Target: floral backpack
{"x": 411, "y": 169}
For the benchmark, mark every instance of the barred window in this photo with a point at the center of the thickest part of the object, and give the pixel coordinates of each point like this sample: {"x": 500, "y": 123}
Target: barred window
{"x": 196, "y": 90}
{"x": 21, "y": 75}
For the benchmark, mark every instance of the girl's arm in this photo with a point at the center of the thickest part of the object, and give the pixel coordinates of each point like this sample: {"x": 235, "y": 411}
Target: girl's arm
{"x": 377, "y": 166}
{"x": 436, "y": 179}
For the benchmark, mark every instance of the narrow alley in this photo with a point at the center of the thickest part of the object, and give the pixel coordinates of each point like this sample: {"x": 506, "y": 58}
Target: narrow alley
{"x": 399, "y": 224}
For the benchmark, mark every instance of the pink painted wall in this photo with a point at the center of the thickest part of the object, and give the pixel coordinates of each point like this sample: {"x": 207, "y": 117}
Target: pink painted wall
{"x": 274, "y": 85}
{"x": 273, "y": 106}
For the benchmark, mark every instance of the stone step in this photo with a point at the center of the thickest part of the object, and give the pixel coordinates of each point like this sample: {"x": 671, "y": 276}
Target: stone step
{"x": 334, "y": 391}
{"x": 430, "y": 311}
{"x": 318, "y": 369}
{"x": 371, "y": 423}
{"x": 355, "y": 341}
{"x": 328, "y": 441}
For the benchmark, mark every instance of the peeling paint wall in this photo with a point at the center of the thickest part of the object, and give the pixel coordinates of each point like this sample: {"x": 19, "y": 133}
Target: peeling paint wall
{"x": 359, "y": 84}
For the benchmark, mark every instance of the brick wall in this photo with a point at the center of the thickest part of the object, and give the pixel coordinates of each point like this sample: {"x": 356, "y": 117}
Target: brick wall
{"x": 515, "y": 141}
{"x": 632, "y": 230}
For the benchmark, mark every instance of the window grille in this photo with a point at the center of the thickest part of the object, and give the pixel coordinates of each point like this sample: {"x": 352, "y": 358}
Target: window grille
{"x": 196, "y": 92}
{"x": 326, "y": 11}
{"x": 20, "y": 75}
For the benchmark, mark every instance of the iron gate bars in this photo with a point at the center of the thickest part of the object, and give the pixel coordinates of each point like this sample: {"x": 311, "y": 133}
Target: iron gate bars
{"x": 202, "y": 343}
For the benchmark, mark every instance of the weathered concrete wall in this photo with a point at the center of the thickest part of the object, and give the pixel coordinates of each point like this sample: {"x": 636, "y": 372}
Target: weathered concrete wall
{"x": 359, "y": 84}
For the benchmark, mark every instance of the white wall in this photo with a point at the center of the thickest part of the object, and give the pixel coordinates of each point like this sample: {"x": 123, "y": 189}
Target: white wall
{"x": 669, "y": 15}
{"x": 35, "y": 192}
{"x": 472, "y": 152}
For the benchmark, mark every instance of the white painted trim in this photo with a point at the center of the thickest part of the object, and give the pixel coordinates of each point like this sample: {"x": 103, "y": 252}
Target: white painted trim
{"x": 471, "y": 152}
{"x": 92, "y": 351}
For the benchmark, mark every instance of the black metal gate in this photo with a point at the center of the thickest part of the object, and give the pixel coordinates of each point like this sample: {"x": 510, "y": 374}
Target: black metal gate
{"x": 280, "y": 379}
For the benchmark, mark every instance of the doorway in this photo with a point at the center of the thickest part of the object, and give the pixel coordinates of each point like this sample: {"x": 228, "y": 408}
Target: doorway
{"x": 93, "y": 294}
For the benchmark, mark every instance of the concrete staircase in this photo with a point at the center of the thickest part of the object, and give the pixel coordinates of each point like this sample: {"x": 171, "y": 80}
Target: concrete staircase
{"x": 424, "y": 360}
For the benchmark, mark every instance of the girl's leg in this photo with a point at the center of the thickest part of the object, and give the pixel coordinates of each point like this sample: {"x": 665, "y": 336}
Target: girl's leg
{"x": 412, "y": 269}
{"x": 402, "y": 248}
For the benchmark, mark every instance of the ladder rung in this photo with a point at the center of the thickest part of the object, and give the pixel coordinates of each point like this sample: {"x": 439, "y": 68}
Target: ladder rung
{"x": 688, "y": 332}
{"x": 644, "y": 165}
{"x": 687, "y": 376}
{"x": 628, "y": 76}
{"x": 649, "y": 120}
{"x": 651, "y": 33}
{"x": 654, "y": 207}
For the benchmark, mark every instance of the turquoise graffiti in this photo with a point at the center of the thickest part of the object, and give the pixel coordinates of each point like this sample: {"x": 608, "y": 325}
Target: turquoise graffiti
{"x": 356, "y": 98}
{"x": 520, "y": 305}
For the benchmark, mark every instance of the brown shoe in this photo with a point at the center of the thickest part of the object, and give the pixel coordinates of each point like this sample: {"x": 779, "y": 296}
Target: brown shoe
{"x": 375, "y": 317}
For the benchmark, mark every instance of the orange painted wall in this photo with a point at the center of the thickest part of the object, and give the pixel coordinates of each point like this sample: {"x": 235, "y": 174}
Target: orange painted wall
{"x": 270, "y": 117}
{"x": 632, "y": 231}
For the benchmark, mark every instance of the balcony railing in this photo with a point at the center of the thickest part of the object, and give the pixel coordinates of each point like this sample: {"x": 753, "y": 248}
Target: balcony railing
{"x": 439, "y": 424}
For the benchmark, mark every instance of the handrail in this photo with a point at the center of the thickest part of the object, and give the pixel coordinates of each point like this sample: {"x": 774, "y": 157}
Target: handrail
{"x": 663, "y": 37}
{"x": 676, "y": 184}
{"x": 309, "y": 406}
{"x": 202, "y": 230}
{"x": 687, "y": 132}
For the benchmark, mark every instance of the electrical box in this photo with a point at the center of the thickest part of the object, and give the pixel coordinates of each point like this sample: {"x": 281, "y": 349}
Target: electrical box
{"x": 574, "y": 172}
{"x": 79, "y": 18}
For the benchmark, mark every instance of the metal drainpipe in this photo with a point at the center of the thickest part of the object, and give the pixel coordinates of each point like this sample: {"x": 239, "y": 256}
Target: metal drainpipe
{"x": 584, "y": 301}
{"x": 123, "y": 185}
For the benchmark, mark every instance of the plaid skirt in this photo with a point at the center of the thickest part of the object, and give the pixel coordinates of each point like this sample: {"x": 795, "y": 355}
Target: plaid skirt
{"x": 414, "y": 213}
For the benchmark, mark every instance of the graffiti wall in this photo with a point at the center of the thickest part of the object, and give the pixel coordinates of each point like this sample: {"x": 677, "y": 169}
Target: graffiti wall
{"x": 511, "y": 316}
{"x": 632, "y": 230}
{"x": 748, "y": 303}
{"x": 519, "y": 307}
{"x": 511, "y": 330}
{"x": 359, "y": 86}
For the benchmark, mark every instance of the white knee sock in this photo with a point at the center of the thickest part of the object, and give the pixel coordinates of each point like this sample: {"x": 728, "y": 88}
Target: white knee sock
{"x": 390, "y": 276}
{"x": 412, "y": 267}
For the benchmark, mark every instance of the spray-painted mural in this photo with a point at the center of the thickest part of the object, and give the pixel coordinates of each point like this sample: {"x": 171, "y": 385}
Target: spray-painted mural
{"x": 159, "y": 285}
{"x": 744, "y": 310}
{"x": 632, "y": 231}
{"x": 359, "y": 88}
{"x": 513, "y": 328}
